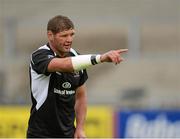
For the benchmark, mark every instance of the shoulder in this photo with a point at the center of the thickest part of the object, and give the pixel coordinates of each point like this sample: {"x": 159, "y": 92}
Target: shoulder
{"x": 43, "y": 50}
{"x": 44, "y": 47}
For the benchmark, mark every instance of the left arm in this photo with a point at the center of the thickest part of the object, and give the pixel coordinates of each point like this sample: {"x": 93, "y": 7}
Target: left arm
{"x": 80, "y": 110}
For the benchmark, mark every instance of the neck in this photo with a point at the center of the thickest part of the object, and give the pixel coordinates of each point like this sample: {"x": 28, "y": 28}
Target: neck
{"x": 56, "y": 51}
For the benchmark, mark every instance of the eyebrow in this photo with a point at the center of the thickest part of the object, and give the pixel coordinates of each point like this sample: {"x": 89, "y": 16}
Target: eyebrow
{"x": 65, "y": 32}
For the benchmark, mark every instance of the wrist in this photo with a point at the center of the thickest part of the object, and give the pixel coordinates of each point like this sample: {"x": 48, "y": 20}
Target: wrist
{"x": 84, "y": 61}
{"x": 95, "y": 59}
{"x": 79, "y": 127}
{"x": 102, "y": 58}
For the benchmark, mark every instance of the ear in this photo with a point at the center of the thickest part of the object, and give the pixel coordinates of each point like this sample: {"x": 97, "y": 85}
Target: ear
{"x": 50, "y": 35}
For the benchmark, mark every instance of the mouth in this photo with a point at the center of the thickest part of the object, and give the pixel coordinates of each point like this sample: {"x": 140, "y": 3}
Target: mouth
{"x": 67, "y": 46}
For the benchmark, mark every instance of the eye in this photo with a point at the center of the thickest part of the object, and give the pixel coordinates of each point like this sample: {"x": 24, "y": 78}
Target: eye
{"x": 72, "y": 34}
{"x": 64, "y": 35}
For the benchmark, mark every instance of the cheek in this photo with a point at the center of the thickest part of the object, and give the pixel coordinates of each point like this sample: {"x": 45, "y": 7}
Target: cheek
{"x": 51, "y": 39}
{"x": 60, "y": 40}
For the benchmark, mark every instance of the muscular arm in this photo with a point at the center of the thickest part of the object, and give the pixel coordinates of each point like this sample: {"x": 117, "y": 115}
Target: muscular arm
{"x": 80, "y": 110}
{"x": 69, "y": 64}
{"x": 60, "y": 64}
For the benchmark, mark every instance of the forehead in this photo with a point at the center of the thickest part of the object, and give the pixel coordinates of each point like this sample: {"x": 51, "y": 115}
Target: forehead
{"x": 70, "y": 31}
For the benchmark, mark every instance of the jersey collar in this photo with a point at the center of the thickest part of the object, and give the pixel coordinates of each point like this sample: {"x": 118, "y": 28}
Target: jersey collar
{"x": 51, "y": 49}
{"x": 69, "y": 54}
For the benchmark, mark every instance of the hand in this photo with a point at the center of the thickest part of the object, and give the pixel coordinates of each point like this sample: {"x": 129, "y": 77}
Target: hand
{"x": 79, "y": 134}
{"x": 113, "y": 56}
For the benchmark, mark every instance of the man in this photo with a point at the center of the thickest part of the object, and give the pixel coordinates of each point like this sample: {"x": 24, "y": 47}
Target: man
{"x": 58, "y": 76}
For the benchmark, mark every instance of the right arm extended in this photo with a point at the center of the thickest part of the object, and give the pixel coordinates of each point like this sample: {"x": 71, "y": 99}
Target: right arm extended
{"x": 70, "y": 64}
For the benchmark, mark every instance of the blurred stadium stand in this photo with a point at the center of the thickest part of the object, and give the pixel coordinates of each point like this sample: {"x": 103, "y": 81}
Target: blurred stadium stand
{"x": 150, "y": 29}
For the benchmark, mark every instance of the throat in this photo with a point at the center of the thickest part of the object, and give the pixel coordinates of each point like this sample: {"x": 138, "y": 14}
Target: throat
{"x": 62, "y": 55}
{"x": 59, "y": 54}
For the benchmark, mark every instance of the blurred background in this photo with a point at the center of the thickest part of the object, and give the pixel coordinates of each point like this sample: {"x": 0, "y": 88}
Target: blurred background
{"x": 147, "y": 82}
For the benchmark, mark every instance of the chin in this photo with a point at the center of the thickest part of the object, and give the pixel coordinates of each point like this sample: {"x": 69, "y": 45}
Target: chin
{"x": 67, "y": 50}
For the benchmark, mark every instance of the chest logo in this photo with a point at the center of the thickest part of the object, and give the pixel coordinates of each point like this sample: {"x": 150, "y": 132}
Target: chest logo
{"x": 66, "y": 85}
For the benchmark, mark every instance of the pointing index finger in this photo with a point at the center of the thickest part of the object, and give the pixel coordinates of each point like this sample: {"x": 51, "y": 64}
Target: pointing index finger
{"x": 122, "y": 50}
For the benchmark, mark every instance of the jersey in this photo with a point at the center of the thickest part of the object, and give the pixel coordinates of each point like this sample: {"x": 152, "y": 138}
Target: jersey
{"x": 53, "y": 96}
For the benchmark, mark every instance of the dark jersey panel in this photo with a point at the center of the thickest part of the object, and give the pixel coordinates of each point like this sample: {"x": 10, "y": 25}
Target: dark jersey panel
{"x": 41, "y": 59}
{"x": 55, "y": 116}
